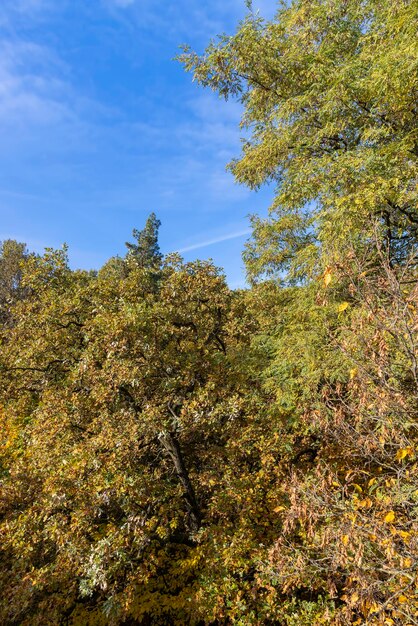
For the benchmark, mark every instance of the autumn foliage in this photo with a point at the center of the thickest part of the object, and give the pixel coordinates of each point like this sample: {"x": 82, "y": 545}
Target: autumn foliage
{"x": 176, "y": 452}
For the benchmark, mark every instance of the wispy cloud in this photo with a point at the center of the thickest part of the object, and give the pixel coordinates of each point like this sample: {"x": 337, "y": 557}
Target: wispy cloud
{"x": 122, "y": 3}
{"x": 211, "y": 242}
{"x": 31, "y": 90}
{"x": 15, "y": 13}
{"x": 175, "y": 19}
{"x": 99, "y": 127}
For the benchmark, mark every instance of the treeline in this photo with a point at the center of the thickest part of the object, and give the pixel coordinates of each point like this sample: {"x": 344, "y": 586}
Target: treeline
{"x": 176, "y": 452}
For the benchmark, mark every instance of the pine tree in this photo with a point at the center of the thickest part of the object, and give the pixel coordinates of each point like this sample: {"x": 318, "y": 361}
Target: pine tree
{"x": 146, "y": 251}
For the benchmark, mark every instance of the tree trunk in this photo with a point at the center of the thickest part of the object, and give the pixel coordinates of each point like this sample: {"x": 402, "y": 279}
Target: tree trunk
{"x": 172, "y": 447}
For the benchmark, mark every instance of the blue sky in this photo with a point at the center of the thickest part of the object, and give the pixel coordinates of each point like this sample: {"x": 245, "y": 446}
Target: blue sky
{"x": 99, "y": 127}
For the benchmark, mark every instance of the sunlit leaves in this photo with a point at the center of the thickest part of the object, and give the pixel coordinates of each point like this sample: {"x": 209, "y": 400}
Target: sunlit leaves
{"x": 174, "y": 452}
{"x": 329, "y": 92}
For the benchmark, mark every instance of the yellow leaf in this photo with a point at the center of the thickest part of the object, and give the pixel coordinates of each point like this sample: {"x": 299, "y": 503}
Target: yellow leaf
{"x": 404, "y": 452}
{"x": 342, "y": 307}
{"x": 353, "y": 372}
{"x": 278, "y": 509}
{"x": 327, "y": 277}
{"x": 345, "y": 539}
{"x": 402, "y": 599}
{"x": 354, "y": 598}
{"x": 389, "y": 517}
{"x": 366, "y": 503}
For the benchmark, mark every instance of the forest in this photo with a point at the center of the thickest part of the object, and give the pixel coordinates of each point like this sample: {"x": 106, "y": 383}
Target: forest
{"x": 177, "y": 452}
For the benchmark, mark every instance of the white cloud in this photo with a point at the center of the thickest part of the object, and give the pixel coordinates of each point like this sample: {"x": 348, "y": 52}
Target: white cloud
{"x": 182, "y": 21}
{"x": 211, "y": 242}
{"x": 114, "y": 6}
{"x": 17, "y": 12}
{"x": 123, "y": 3}
{"x": 30, "y": 91}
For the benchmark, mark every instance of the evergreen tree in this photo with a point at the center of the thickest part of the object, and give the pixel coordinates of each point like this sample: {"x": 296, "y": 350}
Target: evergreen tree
{"x": 146, "y": 251}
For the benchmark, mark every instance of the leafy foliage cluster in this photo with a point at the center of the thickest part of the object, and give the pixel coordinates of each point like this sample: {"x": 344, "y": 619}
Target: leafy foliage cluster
{"x": 175, "y": 452}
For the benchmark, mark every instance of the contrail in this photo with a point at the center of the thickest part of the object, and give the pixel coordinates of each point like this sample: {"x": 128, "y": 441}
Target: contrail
{"x": 210, "y": 242}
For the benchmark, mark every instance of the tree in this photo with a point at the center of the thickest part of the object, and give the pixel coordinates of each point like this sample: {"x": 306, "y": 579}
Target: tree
{"x": 330, "y": 105}
{"x": 329, "y": 90}
{"x": 146, "y": 251}
{"x": 178, "y": 453}
{"x": 12, "y": 255}
{"x": 133, "y": 394}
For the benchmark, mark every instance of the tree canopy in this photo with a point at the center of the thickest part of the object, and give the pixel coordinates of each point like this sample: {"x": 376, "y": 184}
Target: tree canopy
{"x": 177, "y": 452}
{"x": 330, "y": 92}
